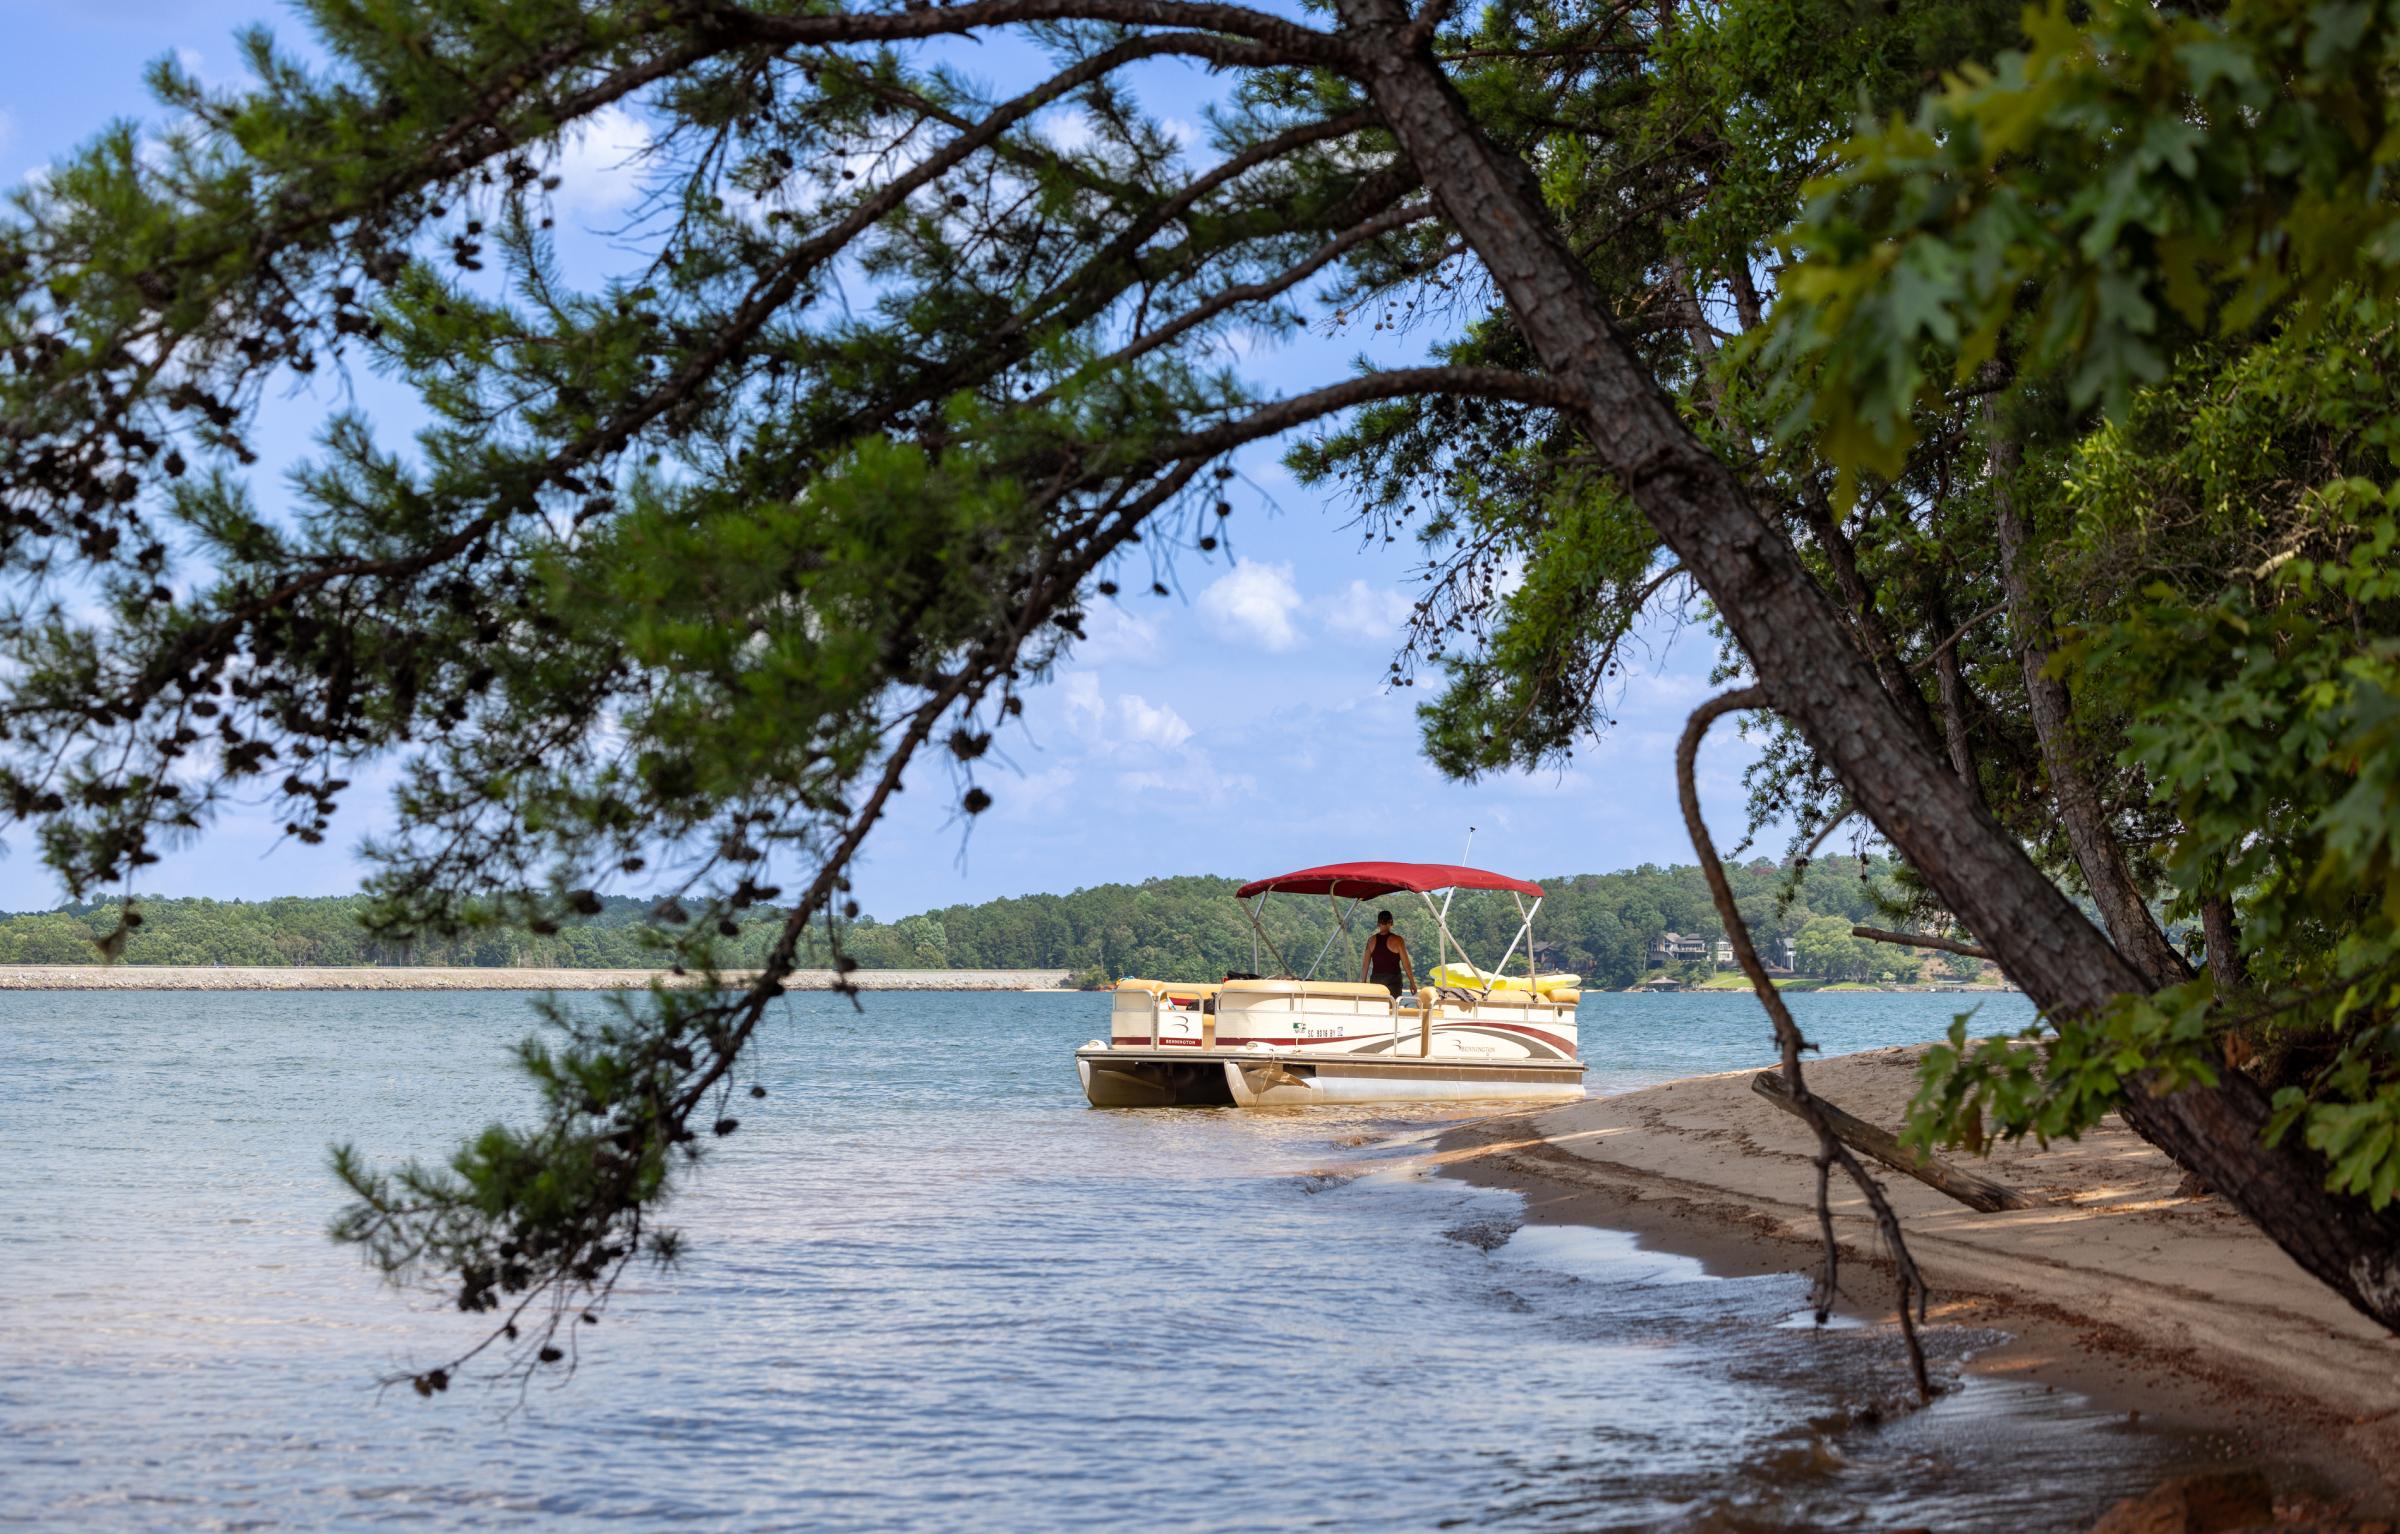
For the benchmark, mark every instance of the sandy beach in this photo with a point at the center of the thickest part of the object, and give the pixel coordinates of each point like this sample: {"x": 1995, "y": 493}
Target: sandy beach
{"x": 180, "y": 977}
{"x": 2118, "y": 1286}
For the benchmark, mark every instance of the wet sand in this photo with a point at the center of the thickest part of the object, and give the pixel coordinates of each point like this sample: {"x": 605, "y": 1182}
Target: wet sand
{"x": 2119, "y": 1288}
{"x": 192, "y": 977}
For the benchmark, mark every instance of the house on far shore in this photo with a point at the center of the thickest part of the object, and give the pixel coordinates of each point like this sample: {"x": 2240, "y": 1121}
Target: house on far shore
{"x": 1780, "y": 957}
{"x": 1675, "y": 948}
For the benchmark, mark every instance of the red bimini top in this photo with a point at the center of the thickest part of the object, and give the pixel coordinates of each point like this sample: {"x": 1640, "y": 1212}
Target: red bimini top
{"x": 1364, "y": 881}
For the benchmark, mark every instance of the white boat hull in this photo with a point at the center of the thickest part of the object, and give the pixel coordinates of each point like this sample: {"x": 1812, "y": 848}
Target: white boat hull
{"x": 1293, "y": 1043}
{"x": 1301, "y": 1081}
{"x": 1168, "y": 1077}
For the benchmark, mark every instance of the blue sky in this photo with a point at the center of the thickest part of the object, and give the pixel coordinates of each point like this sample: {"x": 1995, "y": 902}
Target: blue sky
{"x": 1240, "y": 726}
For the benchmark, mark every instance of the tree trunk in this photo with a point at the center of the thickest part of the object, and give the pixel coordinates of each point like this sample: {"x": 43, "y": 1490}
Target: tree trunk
{"x": 1817, "y": 677}
{"x": 1951, "y": 679}
{"x": 1817, "y": 512}
{"x": 1696, "y": 333}
{"x": 1746, "y": 305}
{"x": 2224, "y": 936}
{"x": 2096, "y": 851}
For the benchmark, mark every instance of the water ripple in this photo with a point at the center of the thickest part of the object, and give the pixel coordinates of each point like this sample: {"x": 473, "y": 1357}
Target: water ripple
{"x": 928, "y": 1289}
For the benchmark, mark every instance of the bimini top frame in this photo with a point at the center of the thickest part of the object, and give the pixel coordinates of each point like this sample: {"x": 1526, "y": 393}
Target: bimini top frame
{"x": 1357, "y": 882}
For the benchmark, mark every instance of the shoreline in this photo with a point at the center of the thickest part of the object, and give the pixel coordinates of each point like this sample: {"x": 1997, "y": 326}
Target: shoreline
{"x": 196, "y": 977}
{"x": 2119, "y": 1290}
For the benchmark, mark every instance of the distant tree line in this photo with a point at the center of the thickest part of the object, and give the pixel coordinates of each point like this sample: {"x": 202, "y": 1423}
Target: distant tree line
{"x": 326, "y": 930}
{"x": 1602, "y": 926}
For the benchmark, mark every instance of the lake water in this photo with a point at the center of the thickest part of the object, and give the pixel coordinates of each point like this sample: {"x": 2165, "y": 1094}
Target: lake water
{"x": 930, "y": 1289}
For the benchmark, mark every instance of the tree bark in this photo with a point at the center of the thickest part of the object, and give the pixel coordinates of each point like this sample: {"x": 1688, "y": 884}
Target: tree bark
{"x": 1921, "y": 940}
{"x": 1840, "y": 553}
{"x": 2224, "y": 937}
{"x": 1816, "y": 676}
{"x": 2097, "y": 854}
{"x": 1951, "y": 680}
{"x": 1746, "y": 305}
{"x": 1815, "y": 511}
{"x": 1702, "y": 340}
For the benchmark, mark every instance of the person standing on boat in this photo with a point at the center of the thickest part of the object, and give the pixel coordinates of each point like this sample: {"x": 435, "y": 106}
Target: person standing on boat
{"x": 1387, "y": 957}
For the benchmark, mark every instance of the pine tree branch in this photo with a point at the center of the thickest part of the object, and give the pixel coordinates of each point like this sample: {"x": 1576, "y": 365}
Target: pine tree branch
{"x": 1227, "y": 299}
{"x": 1275, "y": 40}
{"x": 1282, "y": 415}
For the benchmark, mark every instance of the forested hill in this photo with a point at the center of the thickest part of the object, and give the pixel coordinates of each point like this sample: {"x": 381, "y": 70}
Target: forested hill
{"x": 1601, "y": 925}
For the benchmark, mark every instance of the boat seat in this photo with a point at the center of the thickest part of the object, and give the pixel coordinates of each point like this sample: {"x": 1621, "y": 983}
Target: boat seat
{"x": 1343, "y": 988}
{"x": 1510, "y": 1001}
{"x": 1170, "y": 988}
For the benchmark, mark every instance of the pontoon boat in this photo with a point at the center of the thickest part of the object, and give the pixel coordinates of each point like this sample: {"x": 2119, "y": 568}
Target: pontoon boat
{"x": 1294, "y": 1040}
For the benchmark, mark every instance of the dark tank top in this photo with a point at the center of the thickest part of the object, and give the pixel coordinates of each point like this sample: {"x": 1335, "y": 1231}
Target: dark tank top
{"x": 1383, "y": 954}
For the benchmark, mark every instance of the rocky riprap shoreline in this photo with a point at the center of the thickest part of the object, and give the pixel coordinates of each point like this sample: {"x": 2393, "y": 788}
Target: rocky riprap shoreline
{"x": 195, "y": 977}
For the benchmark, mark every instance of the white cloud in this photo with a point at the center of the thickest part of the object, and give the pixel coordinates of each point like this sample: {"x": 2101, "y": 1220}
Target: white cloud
{"x": 600, "y": 163}
{"x": 1067, "y": 128}
{"x": 1085, "y": 706}
{"x": 1373, "y": 613}
{"x": 1189, "y": 778}
{"x": 1036, "y": 797}
{"x": 1662, "y": 691}
{"x": 1124, "y": 744}
{"x": 1152, "y": 725}
{"x": 1254, "y": 605}
{"x": 1113, "y": 636}
{"x": 1126, "y": 724}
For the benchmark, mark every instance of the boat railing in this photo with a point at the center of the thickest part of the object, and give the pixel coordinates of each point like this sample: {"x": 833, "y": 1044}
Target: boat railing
{"x": 1164, "y": 996}
{"x": 1508, "y": 999}
{"x": 1209, "y": 1005}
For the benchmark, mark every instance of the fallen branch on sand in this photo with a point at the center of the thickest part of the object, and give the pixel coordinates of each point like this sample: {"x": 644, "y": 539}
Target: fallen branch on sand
{"x": 1831, "y": 1152}
{"x": 1975, "y": 1192}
